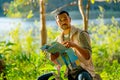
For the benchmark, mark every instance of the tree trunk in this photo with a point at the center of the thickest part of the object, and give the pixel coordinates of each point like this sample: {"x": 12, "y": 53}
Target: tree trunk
{"x": 43, "y": 23}
{"x": 85, "y": 16}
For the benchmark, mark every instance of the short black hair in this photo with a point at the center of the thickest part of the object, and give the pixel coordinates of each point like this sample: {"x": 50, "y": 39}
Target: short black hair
{"x": 61, "y": 12}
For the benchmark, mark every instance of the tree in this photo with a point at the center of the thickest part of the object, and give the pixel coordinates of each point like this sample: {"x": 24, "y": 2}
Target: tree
{"x": 85, "y": 16}
{"x": 43, "y": 22}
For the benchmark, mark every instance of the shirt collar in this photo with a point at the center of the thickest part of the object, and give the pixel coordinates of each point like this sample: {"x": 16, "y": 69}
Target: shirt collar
{"x": 72, "y": 31}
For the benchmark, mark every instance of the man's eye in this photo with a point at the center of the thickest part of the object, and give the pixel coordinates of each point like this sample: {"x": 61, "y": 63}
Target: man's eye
{"x": 62, "y": 20}
{"x": 65, "y": 19}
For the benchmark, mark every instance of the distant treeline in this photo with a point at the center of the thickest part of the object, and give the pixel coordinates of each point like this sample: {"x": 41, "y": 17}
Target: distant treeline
{"x": 1, "y": 6}
{"x": 54, "y": 4}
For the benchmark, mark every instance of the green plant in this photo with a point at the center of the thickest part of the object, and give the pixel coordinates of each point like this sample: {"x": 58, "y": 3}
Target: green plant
{"x": 24, "y": 60}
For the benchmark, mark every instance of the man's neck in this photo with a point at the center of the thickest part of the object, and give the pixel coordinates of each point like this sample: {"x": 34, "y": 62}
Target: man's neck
{"x": 67, "y": 31}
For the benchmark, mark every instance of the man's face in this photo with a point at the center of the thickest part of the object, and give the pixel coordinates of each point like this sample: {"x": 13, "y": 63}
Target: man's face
{"x": 63, "y": 21}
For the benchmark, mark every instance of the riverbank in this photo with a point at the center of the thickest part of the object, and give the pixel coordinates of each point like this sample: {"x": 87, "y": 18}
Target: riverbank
{"x": 7, "y": 24}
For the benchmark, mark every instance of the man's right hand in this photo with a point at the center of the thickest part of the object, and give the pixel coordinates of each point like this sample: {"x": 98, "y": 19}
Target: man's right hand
{"x": 53, "y": 57}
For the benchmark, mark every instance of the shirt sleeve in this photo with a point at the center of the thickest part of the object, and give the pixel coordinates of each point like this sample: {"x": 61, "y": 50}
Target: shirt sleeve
{"x": 84, "y": 40}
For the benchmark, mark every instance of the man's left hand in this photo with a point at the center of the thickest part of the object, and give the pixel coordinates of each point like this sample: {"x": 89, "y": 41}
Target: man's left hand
{"x": 68, "y": 44}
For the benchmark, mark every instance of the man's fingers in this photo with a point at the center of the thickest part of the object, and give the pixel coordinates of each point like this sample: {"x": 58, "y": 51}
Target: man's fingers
{"x": 64, "y": 42}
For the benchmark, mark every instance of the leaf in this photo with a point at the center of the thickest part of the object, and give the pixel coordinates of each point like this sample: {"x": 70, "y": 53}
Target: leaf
{"x": 8, "y": 49}
{"x": 20, "y": 0}
{"x": 48, "y": 67}
{"x": 2, "y": 43}
{"x": 9, "y": 44}
{"x": 101, "y": 8}
{"x": 108, "y": 0}
{"x": 30, "y": 14}
{"x": 51, "y": 78}
{"x": 92, "y": 1}
{"x": 1, "y": 56}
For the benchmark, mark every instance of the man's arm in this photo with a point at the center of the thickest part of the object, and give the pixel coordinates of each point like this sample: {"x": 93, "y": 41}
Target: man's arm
{"x": 83, "y": 46}
{"x": 85, "y": 53}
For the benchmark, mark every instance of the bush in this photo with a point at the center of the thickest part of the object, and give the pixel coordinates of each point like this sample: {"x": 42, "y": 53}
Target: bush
{"x": 24, "y": 60}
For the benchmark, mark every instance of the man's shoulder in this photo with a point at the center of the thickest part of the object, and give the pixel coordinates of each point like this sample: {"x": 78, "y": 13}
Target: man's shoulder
{"x": 75, "y": 30}
{"x": 80, "y": 31}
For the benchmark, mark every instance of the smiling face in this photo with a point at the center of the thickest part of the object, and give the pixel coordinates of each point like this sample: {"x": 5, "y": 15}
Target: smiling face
{"x": 63, "y": 21}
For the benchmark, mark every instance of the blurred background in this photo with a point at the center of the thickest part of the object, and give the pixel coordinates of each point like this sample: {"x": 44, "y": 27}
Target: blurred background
{"x": 25, "y": 13}
{"x": 20, "y": 54}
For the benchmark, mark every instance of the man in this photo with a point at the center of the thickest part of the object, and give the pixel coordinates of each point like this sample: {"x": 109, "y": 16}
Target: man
{"x": 78, "y": 40}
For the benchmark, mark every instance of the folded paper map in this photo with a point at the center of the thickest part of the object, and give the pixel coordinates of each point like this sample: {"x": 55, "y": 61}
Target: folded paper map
{"x": 67, "y": 55}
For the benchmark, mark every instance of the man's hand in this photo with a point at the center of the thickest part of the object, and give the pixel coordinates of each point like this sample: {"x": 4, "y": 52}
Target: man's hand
{"x": 83, "y": 51}
{"x": 68, "y": 44}
{"x": 54, "y": 56}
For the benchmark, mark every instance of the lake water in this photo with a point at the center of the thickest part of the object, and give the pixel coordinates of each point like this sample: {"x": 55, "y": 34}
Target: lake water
{"x": 8, "y": 24}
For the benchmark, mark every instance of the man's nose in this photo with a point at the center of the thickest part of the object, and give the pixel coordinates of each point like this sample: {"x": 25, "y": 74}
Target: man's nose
{"x": 63, "y": 22}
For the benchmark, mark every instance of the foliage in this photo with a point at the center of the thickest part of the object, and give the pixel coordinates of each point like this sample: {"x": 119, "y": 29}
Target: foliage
{"x": 106, "y": 49}
{"x": 22, "y": 8}
{"x": 52, "y": 33}
{"x": 22, "y": 56}
{"x": 30, "y": 8}
{"x": 24, "y": 60}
